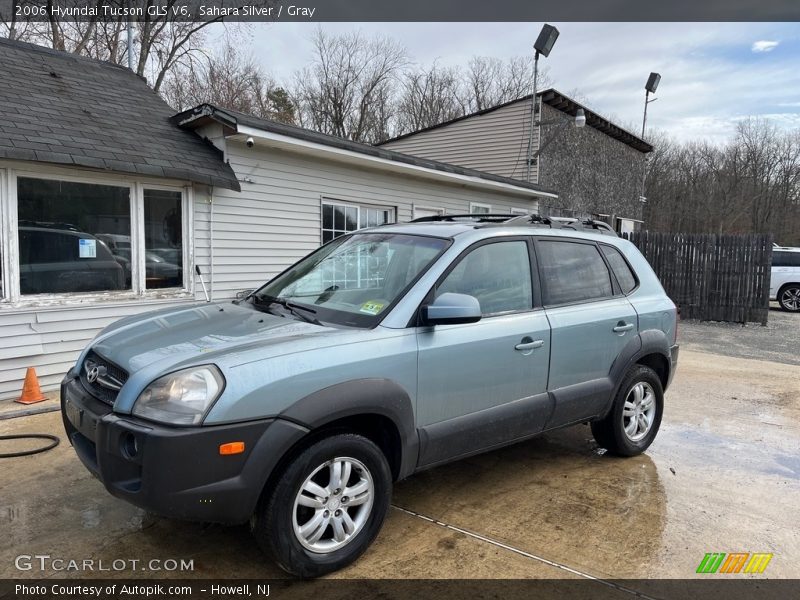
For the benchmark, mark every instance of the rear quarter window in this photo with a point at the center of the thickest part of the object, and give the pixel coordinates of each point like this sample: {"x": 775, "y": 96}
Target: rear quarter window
{"x": 622, "y": 270}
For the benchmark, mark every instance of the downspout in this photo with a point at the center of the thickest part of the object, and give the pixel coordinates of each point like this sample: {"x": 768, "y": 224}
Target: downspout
{"x": 211, "y": 242}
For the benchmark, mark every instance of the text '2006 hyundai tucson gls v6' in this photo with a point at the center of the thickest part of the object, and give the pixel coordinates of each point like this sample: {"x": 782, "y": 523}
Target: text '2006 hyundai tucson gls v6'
{"x": 384, "y": 352}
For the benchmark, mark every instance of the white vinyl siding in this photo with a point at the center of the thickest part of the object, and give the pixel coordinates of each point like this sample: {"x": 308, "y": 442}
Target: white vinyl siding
{"x": 495, "y": 142}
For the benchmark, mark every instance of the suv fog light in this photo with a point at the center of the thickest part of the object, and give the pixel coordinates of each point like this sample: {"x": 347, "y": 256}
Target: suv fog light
{"x": 129, "y": 445}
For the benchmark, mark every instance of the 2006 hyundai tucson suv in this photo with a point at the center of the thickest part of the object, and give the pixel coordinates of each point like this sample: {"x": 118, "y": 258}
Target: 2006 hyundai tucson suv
{"x": 384, "y": 352}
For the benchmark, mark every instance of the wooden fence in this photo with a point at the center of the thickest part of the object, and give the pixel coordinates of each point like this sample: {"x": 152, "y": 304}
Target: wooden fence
{"x": 712, "y": 277}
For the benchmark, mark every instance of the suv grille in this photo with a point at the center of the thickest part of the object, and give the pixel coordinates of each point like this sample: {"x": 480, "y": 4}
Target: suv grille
{"x": 101, "y": 378}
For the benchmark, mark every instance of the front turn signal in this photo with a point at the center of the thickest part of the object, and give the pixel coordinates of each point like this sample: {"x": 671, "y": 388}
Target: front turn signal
{"x": 231, "y": 448}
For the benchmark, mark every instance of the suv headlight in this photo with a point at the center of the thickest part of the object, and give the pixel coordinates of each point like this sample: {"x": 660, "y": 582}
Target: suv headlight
{"x": 182, "y": 397}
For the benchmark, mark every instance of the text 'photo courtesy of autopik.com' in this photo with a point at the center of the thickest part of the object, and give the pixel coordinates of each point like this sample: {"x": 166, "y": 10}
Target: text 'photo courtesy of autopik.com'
{"x": 447, "y": 299}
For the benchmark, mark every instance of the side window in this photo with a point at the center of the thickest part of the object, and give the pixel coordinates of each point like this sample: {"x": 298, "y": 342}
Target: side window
{"x": 572, "y": 272}
{"x": 621, "y": 268}
{"x": 497, "y": 274}
{"x": 782, "y": 258}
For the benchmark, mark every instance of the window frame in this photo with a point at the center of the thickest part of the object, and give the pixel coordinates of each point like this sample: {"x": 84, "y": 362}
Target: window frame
{"x": 536, "y": 292}
{"x": 10, "y": 296}
{"x": 327, "y": 200}
{"x": 615, "y": 289}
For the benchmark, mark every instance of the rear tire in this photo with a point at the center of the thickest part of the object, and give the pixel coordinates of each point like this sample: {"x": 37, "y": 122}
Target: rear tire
{"x": 632, "y": 424}
{"x": 789, "y": 297}
{"x": 308, "y": 523}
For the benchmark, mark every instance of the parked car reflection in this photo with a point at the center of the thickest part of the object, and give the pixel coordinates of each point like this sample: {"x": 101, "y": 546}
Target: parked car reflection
{"x": 51, "y": 262}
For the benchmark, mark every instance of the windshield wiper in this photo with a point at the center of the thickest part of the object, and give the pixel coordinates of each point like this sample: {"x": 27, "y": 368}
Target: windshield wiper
{"x": 291, "y": 307}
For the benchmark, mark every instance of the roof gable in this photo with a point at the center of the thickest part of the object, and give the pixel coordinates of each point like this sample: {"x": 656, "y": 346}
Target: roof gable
{"x": 57, "y": 107}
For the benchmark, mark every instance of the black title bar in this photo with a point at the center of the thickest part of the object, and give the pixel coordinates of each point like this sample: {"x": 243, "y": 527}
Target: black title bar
{"x": 401, "y": 10}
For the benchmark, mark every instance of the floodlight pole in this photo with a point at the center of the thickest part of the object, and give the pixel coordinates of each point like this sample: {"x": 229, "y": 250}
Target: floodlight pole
{"x": 533, "y": 114}
{"x": 647, "y": 101}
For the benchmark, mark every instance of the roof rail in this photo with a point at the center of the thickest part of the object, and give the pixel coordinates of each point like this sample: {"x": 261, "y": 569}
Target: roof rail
{"x": 600, "y": 227}
{"x": 474, "y": 217}
{"x": 502, "y": 219}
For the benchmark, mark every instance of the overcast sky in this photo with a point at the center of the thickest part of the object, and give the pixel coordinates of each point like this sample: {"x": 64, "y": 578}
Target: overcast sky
{"x": 712, "y": 74}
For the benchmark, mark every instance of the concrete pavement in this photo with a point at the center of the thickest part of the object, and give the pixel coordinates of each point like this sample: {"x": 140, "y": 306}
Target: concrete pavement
{"x": 722, "y": 476}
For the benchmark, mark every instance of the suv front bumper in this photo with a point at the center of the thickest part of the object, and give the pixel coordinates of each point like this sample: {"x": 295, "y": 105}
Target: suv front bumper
{"x": 174, "y": 471}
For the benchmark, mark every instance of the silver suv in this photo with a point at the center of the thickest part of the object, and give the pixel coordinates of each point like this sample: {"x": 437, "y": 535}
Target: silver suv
{"x": 384, "y": 352}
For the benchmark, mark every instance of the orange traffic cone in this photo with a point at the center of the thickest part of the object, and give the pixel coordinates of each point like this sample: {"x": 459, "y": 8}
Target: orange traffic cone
{"x": 31, "y": 392}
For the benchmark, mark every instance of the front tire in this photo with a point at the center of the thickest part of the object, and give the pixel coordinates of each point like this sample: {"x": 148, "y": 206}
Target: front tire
{"x": 635, "y": 416}
{"x": 789, "y": 297}
{"x": 327, "y": 507}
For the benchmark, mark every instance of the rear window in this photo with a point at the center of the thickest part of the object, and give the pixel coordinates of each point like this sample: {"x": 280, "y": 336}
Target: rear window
{"x": 572, "y": 272}
{"x": 621, "y": 268}
{"x": 782, "y": 258}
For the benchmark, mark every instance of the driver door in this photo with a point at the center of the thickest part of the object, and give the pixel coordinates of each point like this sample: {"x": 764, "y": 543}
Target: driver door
{"x": 484, "y": 384}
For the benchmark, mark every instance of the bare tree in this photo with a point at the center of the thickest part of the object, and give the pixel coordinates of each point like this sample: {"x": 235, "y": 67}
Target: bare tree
{"x": 345, "y": 90}
{"x": 751, "y": 184}
{"x": 162, "y": 41}
{"x": 491, "y": 81}
{"x": 428, "y": 96}
{"x": 228, "y": 79}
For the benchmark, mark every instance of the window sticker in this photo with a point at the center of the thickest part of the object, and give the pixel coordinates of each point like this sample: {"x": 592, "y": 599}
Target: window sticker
{"x": 371, "y": 307}
{"x": 87, "y": 248}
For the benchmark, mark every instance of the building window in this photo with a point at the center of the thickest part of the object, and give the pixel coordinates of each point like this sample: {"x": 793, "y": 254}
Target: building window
{"x": 62, "y": 231}
{"x": 420, "y": 212}
{"x": 339, "y": 219}
{"x": 476, "y": 208}
{"x": 163, "y": 238}
{"x": 519, "y": 211}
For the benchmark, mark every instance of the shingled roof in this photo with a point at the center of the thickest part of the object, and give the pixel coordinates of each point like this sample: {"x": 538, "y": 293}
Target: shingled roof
{"x": 59, "y": 108}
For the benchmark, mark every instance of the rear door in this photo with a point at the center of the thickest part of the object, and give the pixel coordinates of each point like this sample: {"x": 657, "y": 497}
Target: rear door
{"x": 591, "y": 321}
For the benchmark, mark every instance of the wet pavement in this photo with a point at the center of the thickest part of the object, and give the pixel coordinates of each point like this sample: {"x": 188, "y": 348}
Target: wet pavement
{"x": 722, "y": 476}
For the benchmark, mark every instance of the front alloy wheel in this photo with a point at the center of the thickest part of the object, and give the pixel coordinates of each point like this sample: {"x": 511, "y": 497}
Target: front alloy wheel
{"x": 789, "y": 298}
{"x": 326, "y": 505}
{"x": 333, "y": 504}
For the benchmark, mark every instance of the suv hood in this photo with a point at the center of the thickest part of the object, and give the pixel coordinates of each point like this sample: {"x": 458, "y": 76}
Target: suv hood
{"x": 181, "y": 336}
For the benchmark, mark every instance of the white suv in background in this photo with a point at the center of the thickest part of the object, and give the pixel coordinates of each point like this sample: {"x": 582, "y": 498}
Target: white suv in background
{"x": 784, "y": 285}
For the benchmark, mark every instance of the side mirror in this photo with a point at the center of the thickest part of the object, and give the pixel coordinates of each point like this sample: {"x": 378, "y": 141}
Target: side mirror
{"x": 451, "y": 309}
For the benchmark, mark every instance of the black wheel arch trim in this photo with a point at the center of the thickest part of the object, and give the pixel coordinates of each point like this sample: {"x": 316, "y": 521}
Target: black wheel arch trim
{"x": 360, "y": 397}
{"x": 649, "y": 341}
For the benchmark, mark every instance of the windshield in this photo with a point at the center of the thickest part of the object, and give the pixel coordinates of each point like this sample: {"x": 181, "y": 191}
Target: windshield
{"x": 354, "y": 280}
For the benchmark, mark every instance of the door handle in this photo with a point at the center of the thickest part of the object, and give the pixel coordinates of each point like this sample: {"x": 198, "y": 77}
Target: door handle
{"x": 623, "y": 327}
{"x": 530, "y": 345}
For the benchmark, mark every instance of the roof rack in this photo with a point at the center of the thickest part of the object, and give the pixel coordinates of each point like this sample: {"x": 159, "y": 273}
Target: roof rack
{"x": 600, "y": 227}
{"x": 501, "y": 219}
{"x": 470, "y": 217}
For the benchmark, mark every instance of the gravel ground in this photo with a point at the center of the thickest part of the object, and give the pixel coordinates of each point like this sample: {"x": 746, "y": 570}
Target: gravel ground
{"x": 778, "y": 341}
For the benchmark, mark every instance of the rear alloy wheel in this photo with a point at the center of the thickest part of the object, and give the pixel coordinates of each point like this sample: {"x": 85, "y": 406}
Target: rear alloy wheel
{"x": 789, "y": 297}
{"x": 633, "y": 422}
{"x": 327, "y": 506}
